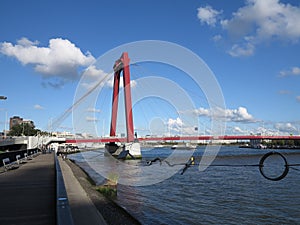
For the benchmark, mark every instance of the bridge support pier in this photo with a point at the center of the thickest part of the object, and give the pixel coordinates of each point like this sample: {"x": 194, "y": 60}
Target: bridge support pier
{"x": 133, "y": 148}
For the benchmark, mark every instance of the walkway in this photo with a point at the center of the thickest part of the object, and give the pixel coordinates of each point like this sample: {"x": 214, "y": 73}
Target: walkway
{"x": 82, "y": 208}
{"x": 27, "y": 194}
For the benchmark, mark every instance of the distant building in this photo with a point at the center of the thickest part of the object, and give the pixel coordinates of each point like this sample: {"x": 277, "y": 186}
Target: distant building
{"x": 16, "y": 120}
{"x": 64, "y": 134}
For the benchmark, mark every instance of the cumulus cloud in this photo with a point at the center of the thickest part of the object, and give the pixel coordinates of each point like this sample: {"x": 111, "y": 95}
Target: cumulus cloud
{"x": 38, "y": 107}
{"x": 110, "y": 83}
{"x": 238, "y": 130}
{"x": 91, "y": 119}
{"x": 189, "y": 130}
{"x": 294, "y": 71}
{"x": 285, "y": 127}
{"x": 217, "y": 38}
{"x": 93, "y": 73}
{"x": 208, "y": 15}
{"x": 242, "y": 50}
{"x": 175, "y": 122}
{"x": 92, "y": 77}
{"x": 233, "y": 115}
{"x": 25, "y": 42}
{"x": 284, "y": 92}
{"x": 256, "y": 22}
{"x": 264, "y": 20}
{"x": 203, "y": 112}
{"x": 178, "y": 126}
{"x": 93, "y": 110}
{"x": 60, "y": 59}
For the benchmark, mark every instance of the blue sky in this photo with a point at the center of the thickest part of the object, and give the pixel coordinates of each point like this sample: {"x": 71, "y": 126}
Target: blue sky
{"x": 251, "y": 46}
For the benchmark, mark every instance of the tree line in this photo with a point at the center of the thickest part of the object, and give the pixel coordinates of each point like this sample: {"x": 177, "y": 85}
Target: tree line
{"x": 25, "y": 129}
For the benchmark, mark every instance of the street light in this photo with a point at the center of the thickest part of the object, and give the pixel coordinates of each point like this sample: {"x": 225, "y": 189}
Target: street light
{"x": 4, "y": 98}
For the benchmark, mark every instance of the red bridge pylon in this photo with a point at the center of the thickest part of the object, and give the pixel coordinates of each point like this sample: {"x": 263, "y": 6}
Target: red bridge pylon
{"x": 122, "y": 65}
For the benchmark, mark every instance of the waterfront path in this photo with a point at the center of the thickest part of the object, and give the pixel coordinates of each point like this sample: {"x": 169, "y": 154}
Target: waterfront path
{"x": 82, "y": 208}
{"x": 27, "y": 194}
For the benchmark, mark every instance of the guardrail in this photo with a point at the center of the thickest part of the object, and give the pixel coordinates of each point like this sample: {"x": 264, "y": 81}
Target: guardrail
{"x": 12, "y": 154}
{"x": 63, "y": 211}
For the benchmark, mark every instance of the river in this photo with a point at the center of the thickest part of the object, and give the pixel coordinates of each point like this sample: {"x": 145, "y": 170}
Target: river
{"x": 227, "y": 192}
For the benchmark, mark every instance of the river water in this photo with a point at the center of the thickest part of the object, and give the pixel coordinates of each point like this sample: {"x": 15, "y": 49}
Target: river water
{"x": 227, "y": 192}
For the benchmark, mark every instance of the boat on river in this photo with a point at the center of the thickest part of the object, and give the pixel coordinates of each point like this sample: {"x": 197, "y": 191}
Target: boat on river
{"x": 184, "y": 146}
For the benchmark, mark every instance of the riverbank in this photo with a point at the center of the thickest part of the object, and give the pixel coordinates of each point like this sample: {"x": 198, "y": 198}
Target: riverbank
{"x": 111, "y": 212}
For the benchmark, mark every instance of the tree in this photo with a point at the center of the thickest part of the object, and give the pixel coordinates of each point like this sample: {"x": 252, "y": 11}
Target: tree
{"x": 23, "y": 129}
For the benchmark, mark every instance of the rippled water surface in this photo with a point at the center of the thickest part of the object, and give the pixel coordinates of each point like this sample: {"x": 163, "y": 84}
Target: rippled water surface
{"x": 219, "y": 195}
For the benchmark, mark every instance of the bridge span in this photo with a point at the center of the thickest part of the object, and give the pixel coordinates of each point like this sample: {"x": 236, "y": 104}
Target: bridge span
{"x": 186, "y": 138}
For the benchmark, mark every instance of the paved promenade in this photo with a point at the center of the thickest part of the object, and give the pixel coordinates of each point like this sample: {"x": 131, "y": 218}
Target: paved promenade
{"x": 28, "y": 195}
{"x": 82, "y": 208}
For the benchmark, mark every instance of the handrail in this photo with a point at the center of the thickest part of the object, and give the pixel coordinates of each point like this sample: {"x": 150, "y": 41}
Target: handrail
{"x": 63, "y": 211}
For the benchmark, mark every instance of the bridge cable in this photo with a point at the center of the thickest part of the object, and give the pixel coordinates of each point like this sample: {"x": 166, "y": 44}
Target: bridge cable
{"x": 152, "y": 101}
{"x": 61, "y": 118}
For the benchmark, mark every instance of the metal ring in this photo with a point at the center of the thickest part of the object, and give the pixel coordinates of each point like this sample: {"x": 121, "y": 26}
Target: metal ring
{"x": 261, "y": 166}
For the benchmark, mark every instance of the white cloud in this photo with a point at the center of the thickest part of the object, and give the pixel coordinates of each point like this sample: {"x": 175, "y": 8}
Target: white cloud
{"x": 93, "y": 76}
{"x": 264, "y": 131}
{"x": 178, "y": 126}
{"x": 245, "y": 50}
{"x": 233, "y": 115}
{"x": 189, "y": 130}
{"x": 25, "y": 42}
{"x": 93, "y": 110}
{"x": 93, "y": 73}
{"x": 133, "y": 83}
{"x": 38, "y": 107}
{"x": 239, "y": 115}
{"x": 91, "y": 119}
{"x": 208, "y": 15}
{"x": 110, "y": 83}
{"x": 265, "y": 20}
{"x": 202, "y": 112}
{"x": 285, "y": 127}
{"x": 61, "y": 59}
{"x": 298, "y": 98}
{"x": 217, "y": 38}
{"x": 294, "y": 71}
{"x": 259, "y": 21}
{"x": 175, "y": 122}
{"x": 238, "y": 130}
{"x": 284, "y": 92}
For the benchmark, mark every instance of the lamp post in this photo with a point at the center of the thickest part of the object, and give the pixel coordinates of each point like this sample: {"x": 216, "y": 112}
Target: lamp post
{"x": 4, "y": 98}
